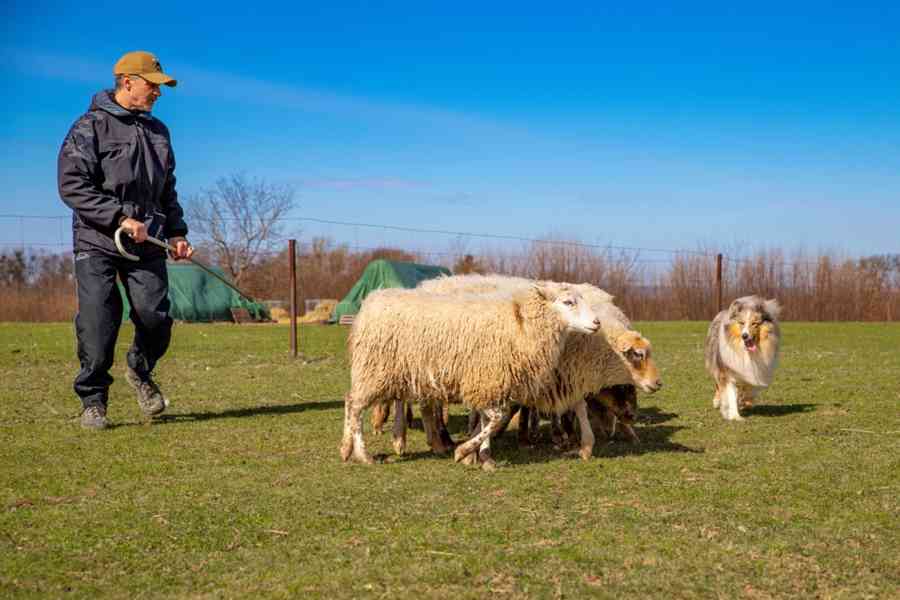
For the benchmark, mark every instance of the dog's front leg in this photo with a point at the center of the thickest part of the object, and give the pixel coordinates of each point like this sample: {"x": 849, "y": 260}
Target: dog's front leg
{"x": 728, "y": 405}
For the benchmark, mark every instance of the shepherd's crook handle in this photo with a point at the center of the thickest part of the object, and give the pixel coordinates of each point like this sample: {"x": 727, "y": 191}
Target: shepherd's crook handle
{"x": 122, "y": 250}
{"x": 152, "y": 240}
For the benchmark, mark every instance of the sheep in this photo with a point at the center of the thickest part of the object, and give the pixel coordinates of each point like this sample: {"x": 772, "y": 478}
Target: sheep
{"x": 631, "y": 347}
{"x": 405, "y": 344}
{"x": 621, "y": 356}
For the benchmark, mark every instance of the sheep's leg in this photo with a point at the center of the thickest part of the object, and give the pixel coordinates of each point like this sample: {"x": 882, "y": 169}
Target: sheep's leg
{"x": 472, "y": 459}
{"x": 475, "y": 420}
{"x": 524, "y": 423}
{"x": 347, "y": 439}
{"x": 484, "y": 454}
{"x": 587, "y": 434}
{"x": 729, "y": 403}
{"x": 441, "y": 418}
{"x": 431, "y": 434}
{"x": 399, "y": 432}
{"x": 353, "y": 443}
{"x": 534, "y": 426}
{"x": 473, "y": 423}
{"x": 380, "y": 414}
{"x": 565, "y": 430}
{"x": 507, "y": 418}
{"x": 556, "y": 432}
{"x": 495, "y": 419}
{"x": 629, "y": 431}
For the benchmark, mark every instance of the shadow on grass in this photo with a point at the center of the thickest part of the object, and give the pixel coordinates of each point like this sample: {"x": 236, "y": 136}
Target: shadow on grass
{"x": 653, "y": 439}
{"x": 506, "y": 449}
{"x": 253, "y": 411}
{"x": 652, "y": 415}
{"x": 777, "y": 410}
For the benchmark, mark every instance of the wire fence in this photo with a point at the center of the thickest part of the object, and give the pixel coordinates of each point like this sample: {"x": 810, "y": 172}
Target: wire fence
{"x": 649, "y": 283}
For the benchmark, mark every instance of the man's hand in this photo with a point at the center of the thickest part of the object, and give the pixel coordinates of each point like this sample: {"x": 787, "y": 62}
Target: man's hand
{"x": 135, "y": 229}
{"x": 183, "y": 250}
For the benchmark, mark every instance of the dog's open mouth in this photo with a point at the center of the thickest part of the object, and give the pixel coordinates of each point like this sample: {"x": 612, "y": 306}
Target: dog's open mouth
{"x": 750, "y": 345}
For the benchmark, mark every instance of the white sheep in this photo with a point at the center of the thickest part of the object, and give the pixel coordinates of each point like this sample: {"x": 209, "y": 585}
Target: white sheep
{"x": 589, "y": 363}
{"x": 435, "y": 348}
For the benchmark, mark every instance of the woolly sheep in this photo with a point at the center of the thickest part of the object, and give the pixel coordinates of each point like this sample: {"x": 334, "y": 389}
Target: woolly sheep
{"x": 438, "y": 348}
{"x": 621, "y": 356}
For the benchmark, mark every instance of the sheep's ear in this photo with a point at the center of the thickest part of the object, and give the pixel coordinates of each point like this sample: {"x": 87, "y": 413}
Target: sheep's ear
{"x": 543, "y": 292}
{"x": 772, "y": 308}
{"x": 625, "y": 342}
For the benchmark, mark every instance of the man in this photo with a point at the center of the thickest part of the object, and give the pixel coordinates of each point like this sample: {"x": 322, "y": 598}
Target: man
{"x": 116, "y": 169}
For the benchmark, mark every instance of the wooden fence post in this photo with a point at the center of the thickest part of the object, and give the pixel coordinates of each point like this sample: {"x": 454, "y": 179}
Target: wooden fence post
{"x": 718, "y": 283}
{"x": 292, "y": 254}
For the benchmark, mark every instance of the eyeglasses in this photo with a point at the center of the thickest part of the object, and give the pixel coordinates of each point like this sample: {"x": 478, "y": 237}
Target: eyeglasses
{"x": 150, "y": 83}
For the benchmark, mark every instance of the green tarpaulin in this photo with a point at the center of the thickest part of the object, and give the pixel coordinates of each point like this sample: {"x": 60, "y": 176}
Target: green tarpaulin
{"x": 385, "y": 274}
{"x": 195, "y": 295}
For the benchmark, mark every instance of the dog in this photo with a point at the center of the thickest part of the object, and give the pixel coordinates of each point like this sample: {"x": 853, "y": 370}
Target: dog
{"x": 742, "y": 352}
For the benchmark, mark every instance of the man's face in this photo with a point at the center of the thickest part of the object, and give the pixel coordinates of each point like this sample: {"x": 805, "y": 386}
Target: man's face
{"x": 141, "y": 93}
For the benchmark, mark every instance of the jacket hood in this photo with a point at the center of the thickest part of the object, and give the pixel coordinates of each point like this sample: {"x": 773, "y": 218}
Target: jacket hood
{"x": 105, "y": 101}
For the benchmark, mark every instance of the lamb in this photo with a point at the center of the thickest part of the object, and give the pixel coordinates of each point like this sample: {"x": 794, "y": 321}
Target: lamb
{"x": 483, "y": 352}
{"x": 621, "y": 356}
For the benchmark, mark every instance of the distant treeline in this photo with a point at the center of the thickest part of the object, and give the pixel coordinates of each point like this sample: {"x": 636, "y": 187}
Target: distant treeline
{"x": 823, "y": 287}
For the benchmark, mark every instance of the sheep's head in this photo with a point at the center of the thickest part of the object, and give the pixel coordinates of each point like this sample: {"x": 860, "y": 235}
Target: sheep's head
{"x": 634, "y": 349}
{"x": 571, "y": 306}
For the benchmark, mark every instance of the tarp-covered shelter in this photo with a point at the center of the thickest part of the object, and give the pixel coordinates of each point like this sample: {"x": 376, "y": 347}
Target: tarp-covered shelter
{"x": 195, "y": 295}
{"x": 385, "y": 274}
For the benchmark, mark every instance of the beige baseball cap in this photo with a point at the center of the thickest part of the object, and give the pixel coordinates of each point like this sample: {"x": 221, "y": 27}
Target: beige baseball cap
{"x": 144, "y": 64}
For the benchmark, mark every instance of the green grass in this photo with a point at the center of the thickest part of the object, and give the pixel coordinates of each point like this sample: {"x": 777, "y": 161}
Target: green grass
{"x": 240, "y": 491}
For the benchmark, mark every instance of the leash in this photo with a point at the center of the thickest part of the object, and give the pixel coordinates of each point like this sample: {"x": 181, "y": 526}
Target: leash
{"x": 170, "y": 248}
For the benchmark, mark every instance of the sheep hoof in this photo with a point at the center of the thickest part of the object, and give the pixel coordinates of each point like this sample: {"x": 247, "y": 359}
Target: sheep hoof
{"x": 461, "y": 456}
{"x": 489, "y": 465}
{"x": 363, "y": 457}
{"x": 440, "y": 450}
{"x": 346, "y": 451}
{"x": 586, "y": 452}
{"x": 400, "y": 447}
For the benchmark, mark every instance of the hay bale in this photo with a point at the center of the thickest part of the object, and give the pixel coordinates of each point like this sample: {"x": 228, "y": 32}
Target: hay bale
{"x": 321, "y": 313}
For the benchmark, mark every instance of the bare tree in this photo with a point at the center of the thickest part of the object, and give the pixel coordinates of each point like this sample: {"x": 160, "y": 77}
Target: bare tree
{"x": 239, "y": 220}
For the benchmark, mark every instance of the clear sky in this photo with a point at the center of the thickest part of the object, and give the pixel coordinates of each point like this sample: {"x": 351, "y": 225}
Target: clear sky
{"x": 662, "y": 125}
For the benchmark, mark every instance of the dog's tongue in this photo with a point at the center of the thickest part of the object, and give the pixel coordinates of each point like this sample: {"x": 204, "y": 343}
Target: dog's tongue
{"x": 751, "y": 345}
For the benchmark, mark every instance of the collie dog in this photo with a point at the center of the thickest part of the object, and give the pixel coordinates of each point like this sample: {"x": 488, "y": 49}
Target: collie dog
{"x": 742, "y": 352}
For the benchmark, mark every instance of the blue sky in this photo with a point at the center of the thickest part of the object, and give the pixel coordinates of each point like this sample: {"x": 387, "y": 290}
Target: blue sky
{"x": 660, "y": 125}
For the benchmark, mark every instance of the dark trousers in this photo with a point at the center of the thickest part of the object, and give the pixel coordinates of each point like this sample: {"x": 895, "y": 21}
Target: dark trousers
{"x": 100, "y": 315}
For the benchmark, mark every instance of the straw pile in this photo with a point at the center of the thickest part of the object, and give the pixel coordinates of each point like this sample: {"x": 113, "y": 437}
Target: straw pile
{"x": 320, "y": 314}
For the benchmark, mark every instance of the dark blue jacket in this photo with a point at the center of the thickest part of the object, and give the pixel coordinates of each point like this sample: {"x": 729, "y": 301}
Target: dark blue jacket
{"x": 117, "y": 163}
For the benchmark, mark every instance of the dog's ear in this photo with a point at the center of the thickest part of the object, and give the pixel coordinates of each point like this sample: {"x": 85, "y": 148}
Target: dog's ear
{"x": 772, "y": 308}
{"x": 734, "y": 309}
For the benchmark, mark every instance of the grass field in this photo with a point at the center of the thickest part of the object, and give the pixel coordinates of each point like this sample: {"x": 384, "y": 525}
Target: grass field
{"x": 239, "y": 491}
